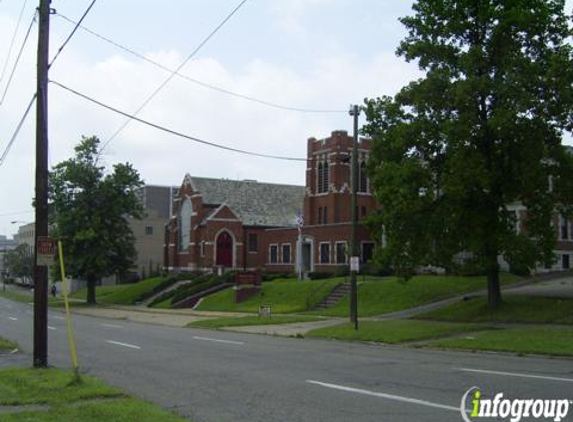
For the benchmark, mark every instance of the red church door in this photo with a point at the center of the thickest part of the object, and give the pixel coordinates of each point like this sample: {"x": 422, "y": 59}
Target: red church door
{"x": 225, "y": 250}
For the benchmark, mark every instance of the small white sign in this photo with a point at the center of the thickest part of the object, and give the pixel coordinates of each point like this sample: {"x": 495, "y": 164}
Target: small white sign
{"x": 355, "y": 263}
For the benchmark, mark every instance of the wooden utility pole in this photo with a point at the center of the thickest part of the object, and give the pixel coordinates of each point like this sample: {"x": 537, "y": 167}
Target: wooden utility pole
{"x": 354, "y": 112}
{"x": 41, "y": 199}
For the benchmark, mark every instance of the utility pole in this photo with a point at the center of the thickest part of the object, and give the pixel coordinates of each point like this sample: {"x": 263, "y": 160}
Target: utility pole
{"x": 354, "y": 112}
{"x": 41, "y": 199}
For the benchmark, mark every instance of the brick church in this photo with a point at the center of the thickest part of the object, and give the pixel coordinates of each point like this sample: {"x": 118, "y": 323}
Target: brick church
{"x": 276, "y": 228}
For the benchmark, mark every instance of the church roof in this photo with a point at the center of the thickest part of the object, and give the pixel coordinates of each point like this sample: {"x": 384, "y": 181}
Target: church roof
{"x": 256, "y": 204}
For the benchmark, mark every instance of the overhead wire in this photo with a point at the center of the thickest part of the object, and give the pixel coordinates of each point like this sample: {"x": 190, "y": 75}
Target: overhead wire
{"x": 59, "y": 51}
{"x": 17, "y": 60}
{"x": 197, "y": 81}
{"x": 174, "y": 132}
{"x": 15, "y": 134}
{"x": 16, "y": 212}
{"x": 12, "y": 42}
{"x": 166, "y": 81}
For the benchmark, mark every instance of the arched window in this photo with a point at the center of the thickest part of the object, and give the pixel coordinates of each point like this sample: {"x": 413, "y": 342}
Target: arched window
{"x": 184, "y": 224}
{"x": 362, "y": 179}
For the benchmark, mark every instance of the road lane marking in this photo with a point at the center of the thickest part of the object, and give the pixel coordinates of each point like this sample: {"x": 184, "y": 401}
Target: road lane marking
{"x": 514, "y": 374}
{"x": 11, "y": 318}
{"x": 51, "y": 328}
{"x": 61, "y": 318}
{"x": 14, "y": 351}
{"x": 118, "y": 343}
{"x": 111, "y": 326}
{"x": 384, "y": 395}
{"x": 240, "y": 343}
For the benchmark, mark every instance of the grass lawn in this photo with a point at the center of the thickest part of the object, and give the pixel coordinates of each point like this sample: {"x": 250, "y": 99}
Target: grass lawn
{"x": 284, "y": 296}
{"x": 251, "y": 320}
{"x": 25, "y": 296}
{"x": 91, "y": 400}
{"x": 538, "y": 340}
{"x": 48, "y": 386}
{"x": 122, "y": 294}
{"x": 398, "y": 331}
{"x": 7, "y": 345}
{"x": 390, "y": 294}
{"x": 514, "y": 309}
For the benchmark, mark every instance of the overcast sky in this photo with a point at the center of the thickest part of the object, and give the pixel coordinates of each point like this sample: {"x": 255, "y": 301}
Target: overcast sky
{"x": 311, "y": 54}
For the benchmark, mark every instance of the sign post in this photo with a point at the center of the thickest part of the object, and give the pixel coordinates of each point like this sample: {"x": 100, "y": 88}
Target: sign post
{"x": 46, "y": 249}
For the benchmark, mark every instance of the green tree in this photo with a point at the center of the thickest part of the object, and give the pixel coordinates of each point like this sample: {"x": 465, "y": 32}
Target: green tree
{"x": 19, "y": 262}
{"x": 481, "y": 130}
{"x": 91, "y": 212}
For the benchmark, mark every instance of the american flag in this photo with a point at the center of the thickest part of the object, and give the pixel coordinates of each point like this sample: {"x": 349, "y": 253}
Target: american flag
{"x": 299, "y": 220}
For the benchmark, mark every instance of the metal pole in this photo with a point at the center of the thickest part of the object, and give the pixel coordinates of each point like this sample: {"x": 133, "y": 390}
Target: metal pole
{"x": 355, "y": 112}
{"x": 41, "y": 200}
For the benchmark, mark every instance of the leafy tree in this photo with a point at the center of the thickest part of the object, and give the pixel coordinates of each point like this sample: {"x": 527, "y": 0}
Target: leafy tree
{"x": 19, "y": 262}
{"x": 91, "y": 211}
{"x": 480, "y": 131}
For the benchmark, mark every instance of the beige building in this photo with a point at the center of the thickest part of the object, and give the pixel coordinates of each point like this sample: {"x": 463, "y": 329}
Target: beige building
{"x": 149, "y": 232}
{"x": 26, "y": 236}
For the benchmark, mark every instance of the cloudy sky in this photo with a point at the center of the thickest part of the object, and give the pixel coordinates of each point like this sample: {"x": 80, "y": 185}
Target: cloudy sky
{"x": 305, "y": 54}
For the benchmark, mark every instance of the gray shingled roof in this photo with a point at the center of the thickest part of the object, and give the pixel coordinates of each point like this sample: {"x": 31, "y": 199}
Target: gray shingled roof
{"x": 257, "y": 204}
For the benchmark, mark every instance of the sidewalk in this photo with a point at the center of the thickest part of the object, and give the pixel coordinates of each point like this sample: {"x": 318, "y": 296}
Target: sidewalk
{"x": 168, "y": 317}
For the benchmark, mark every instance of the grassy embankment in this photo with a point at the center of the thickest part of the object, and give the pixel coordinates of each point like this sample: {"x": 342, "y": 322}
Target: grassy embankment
{"x": 376, "y": 295}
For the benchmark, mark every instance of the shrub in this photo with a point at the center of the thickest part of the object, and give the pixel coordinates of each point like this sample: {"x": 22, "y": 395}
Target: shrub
{"x": 319, "y": 275}
{"x": 275, "y": 276}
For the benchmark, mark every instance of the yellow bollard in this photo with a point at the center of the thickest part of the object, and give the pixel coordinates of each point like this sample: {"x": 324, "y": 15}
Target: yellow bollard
{"x": 65, "y": 289}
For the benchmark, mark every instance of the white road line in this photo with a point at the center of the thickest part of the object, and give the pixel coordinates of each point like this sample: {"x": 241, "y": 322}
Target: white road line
{"x": 14, "y": 351}
{"x": 514, "y": 374}
{"x": 111, "y": 326}
{"x": 11, "y": 318}
{"x": 385, "y": 396}
{"x": 118, "y": 343}
{"x": 240, "y": 343}
{"x": 61, "y": 318}
{"x": 51, "y": 328}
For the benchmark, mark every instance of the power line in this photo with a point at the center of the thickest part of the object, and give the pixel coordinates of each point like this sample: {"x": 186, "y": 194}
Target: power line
{"x": 197, "y": 81}
{"x": 174, "y": 132}
{"x": 17, "y": 59}
{"x": 12, "y": 42}
{"x": 71, "y": 33}
{"x": 166, "y": 81}
{"x": 15, "y": 212}
{"x": 15, "y": 135}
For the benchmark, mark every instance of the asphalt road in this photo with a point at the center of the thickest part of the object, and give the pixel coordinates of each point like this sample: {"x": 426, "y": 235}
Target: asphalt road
{"x": 210, "y": 376}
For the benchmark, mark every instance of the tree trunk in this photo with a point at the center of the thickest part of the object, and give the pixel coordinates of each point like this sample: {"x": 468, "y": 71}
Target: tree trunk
{"x": 91, "y": 296}
{"x": 493, "y": 286}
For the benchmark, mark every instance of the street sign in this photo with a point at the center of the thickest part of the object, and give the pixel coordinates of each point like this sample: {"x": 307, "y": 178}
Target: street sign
{"x": 355, "y": 263}
{"x": 46, "y": 249}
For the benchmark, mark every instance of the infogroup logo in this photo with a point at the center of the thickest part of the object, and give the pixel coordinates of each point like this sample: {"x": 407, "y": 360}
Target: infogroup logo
{"x": 514, "y": 409}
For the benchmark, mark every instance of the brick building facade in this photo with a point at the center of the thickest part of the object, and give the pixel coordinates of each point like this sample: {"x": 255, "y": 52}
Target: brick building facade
{"x": 252, "y": 225}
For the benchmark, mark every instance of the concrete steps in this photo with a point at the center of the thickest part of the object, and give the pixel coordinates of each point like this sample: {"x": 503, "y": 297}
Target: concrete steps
{"x": 147, "y": 301}
{"x": 335, "y": 296}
